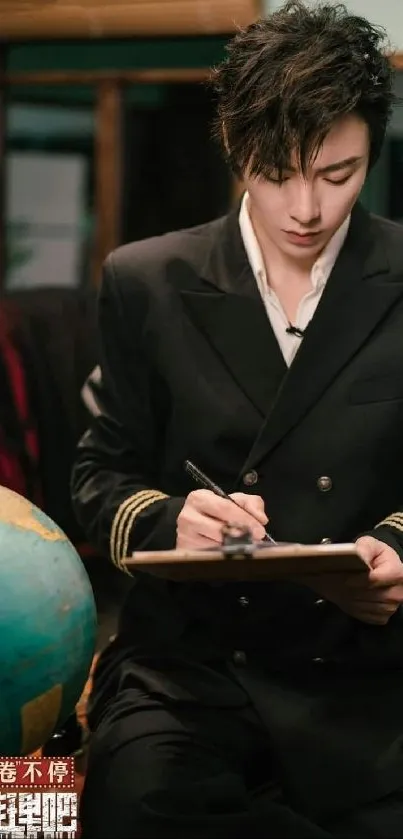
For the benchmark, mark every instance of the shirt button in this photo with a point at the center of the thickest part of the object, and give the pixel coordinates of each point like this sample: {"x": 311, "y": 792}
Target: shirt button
{"x": 239, "y": 658}
{"x": 319, "y": 602}
{"x": 318, "y": 660}
{"x": 250, "y": 478}
{"x": 324, "y": 483}
{"x": 243, "y": 601}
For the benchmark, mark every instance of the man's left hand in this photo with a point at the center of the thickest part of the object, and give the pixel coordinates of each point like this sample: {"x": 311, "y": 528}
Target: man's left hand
{"x": 373, "y": 597}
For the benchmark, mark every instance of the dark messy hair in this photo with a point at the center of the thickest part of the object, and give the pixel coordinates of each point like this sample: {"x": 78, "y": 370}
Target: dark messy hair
{"x": 288, "y": 77}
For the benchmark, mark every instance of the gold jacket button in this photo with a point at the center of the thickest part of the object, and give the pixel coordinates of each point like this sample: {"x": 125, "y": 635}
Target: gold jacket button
{"x": 324, "y": 483}
{"x": 243, "y": 601}
{"x": 250, "y": 478}
{"x": 239, "y": 658}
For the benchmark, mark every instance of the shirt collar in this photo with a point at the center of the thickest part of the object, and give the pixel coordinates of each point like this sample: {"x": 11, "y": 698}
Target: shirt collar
{"x": 323, "y": 266}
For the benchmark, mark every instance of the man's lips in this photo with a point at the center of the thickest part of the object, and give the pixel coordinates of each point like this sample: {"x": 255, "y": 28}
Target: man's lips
{"x": 302, "y": 238}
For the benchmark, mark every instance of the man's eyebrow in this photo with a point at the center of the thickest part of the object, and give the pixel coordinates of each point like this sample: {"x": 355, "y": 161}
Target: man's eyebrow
{"x": 341, "y": 164}
{"x": 336, "y": 167}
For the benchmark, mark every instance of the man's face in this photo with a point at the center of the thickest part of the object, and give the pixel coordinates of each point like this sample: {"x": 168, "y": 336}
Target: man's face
{"x": 301, "y": 214}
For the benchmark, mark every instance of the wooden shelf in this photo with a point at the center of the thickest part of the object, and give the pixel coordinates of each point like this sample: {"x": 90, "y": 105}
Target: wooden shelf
{"x": 94, "y": 77}
{"x": 397, "y": 60}
{"x": 42, "y": 19}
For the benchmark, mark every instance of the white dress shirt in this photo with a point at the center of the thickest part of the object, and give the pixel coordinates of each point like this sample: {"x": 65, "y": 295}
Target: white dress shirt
{"x": 321, "y": 271}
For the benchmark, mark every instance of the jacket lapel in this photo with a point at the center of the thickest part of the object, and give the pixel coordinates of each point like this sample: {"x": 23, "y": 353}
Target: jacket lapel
{"x": 228, "y": 309}
{"x": 357, "y": 296}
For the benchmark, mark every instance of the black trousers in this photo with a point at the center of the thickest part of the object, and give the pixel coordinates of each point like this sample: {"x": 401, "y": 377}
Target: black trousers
{"x": 163, "y": 769}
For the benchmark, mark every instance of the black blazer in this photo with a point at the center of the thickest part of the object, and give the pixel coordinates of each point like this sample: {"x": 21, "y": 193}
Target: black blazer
{"x": 191, "y": 369}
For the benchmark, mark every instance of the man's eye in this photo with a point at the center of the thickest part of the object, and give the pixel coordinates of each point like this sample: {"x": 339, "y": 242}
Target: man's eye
{"x": 274, "y": 180}
{"x": 339, "y": 181}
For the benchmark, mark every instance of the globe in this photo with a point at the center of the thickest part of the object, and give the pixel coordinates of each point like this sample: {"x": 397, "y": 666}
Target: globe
{"x": 47, "y": 626}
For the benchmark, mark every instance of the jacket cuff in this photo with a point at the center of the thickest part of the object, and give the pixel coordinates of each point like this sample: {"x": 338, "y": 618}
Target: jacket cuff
{"x": 386, "y": 534}
{"x": 146, "y": 521}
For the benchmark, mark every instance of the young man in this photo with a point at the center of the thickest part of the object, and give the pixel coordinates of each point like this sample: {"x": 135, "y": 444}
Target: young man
{"x": 267, "y": 347}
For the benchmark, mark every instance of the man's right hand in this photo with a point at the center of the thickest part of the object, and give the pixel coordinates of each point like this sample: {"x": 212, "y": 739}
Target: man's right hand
{"x": 200, "y": 522}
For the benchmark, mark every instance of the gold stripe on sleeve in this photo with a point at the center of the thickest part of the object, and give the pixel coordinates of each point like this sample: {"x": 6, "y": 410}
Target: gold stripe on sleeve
{"x": 133, "y": 515}
{"x": 394, "y": 520}
{"x": 125, "y": 519}
{"x": 124, "y": 513}
{"x": 117, "y": 519}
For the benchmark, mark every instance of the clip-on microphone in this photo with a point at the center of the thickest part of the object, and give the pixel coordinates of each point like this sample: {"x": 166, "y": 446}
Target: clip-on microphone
{"x": 295, "y": 330}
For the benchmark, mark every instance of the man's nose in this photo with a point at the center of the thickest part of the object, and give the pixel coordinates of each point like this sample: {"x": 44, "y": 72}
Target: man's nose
{"x": 305, "y": 208}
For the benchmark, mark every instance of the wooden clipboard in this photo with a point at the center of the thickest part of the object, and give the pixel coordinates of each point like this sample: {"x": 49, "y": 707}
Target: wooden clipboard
{"x": 251, "y": 563}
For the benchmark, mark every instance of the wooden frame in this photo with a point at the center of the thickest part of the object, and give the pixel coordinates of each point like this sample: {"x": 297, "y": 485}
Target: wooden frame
{"x": 61, "y": 19}
{"x": 107, "y": 141}
{"x": 108, "y": 173}
{"x": 94, "y": 77}
{"x": 397, "y": 60}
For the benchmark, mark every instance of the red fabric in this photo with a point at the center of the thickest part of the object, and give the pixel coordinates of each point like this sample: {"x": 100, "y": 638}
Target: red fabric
{"x": 11, "y": 468}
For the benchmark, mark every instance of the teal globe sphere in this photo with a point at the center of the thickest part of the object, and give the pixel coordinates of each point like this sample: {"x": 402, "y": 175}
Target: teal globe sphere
{"x": 48, "y": 626}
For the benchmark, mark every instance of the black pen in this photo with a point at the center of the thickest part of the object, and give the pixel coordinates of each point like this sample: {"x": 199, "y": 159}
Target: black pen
{"x": 205, "y": 482}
